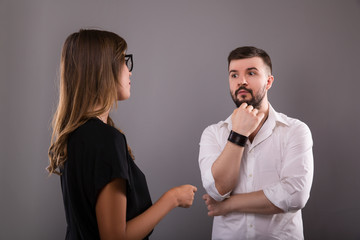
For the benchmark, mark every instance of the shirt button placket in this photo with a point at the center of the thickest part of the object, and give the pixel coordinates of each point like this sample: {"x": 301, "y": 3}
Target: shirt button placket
{"x": 250, "y": 226}
{"x": 250, "y": 170}
{"x": 250, "y": 188}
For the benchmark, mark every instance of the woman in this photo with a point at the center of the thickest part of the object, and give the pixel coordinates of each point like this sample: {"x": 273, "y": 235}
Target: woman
{"x": 105, "y": 194}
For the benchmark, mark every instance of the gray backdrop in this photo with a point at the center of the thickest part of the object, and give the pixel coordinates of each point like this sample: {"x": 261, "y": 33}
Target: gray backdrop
{"x": 180, "y": 86}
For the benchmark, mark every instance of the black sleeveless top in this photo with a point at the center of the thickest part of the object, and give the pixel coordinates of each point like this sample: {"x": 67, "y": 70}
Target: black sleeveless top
{"x": 97, "y": 153}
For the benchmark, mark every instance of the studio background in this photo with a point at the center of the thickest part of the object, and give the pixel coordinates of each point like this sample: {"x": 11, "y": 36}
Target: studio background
{"x": 179, "y": 86}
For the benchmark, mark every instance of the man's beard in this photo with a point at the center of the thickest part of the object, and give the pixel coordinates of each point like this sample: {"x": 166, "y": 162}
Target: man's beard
{"x": 255, "y": 101}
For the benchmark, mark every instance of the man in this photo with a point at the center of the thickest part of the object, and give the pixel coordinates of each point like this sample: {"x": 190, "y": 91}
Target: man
{"x": 257, "y": 165}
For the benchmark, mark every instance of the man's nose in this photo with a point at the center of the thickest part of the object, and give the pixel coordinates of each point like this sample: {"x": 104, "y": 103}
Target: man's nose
{"x": 242, "y": 81}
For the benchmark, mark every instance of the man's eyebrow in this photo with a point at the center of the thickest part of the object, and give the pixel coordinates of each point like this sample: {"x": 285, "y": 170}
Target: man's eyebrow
{"x": 252, "y": 68}
{"x": 248, "y": 69}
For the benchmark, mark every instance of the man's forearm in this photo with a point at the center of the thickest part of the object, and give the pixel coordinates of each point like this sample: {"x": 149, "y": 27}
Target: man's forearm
{"x": 226, "y": 168}
{"x": 254, "y": 202}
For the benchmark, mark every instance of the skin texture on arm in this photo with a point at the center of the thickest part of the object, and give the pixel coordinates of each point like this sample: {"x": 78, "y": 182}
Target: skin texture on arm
{"x": 226, "y": 168}
{"x": 254, "y": 202}
{"x": 111, "y": 211}
{"x": 246, "y": 120}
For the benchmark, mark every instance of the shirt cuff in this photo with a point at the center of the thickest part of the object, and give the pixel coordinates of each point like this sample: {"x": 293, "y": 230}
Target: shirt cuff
{"x": 209, "y": 185}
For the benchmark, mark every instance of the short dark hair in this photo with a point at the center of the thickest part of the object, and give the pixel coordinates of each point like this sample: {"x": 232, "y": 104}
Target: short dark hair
{"x": 249, "y": 52}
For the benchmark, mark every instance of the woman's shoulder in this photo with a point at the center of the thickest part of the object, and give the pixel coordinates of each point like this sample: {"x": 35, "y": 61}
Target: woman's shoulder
{"x": 96, "y": 131}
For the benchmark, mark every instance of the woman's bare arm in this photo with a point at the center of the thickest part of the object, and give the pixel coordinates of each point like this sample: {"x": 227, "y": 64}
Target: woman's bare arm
{"x": 111, "y": 210}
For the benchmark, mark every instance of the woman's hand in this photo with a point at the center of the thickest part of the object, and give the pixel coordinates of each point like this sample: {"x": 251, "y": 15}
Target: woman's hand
{"x": 183, "y": 195}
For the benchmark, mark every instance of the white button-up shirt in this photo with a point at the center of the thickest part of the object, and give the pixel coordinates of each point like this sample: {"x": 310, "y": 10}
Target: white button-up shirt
{"x": 279, "y": 161}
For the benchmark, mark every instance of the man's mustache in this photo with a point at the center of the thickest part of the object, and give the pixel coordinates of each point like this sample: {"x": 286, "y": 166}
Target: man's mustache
{"x": 243, "y": 88}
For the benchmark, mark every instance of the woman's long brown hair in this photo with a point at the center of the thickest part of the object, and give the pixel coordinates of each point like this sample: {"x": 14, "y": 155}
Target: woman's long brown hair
{"x": 89, "y": 73}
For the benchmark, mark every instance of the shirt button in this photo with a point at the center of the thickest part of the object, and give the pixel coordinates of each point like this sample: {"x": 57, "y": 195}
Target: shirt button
{"x": 251, "y": 225}
{"x": 250, "y": 175}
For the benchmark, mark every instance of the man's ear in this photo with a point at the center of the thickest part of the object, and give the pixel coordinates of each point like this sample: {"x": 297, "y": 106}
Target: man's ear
{"x": 269, "y": 82}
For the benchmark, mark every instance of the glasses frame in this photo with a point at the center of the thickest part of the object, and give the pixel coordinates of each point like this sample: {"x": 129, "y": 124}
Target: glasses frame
{"x": 129, "y": 57}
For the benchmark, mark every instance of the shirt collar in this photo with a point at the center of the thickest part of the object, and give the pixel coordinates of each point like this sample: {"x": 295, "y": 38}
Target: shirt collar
{"x": 273, "y": 118}
{"x": 227, "y": 123}
{"x": 277, "y": 117}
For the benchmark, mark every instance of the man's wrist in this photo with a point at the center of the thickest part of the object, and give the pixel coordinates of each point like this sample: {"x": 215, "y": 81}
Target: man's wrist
{"x": 237, "y": 138}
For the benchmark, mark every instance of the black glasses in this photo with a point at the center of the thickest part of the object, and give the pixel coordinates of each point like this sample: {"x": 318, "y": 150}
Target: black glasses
{"x": 129, "y": 61}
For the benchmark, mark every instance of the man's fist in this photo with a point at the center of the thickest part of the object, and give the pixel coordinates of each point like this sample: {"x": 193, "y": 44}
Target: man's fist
{"x": 246, "y": 119}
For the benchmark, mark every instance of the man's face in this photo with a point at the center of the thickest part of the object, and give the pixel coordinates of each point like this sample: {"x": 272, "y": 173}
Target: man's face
{"x": 249, "y": 80}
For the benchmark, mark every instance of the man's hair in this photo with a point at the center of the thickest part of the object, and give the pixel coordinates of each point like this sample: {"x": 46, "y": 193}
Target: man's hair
{"x": 249, "y": 52}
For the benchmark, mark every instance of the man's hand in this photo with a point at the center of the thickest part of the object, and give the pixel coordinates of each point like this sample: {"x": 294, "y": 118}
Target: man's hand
{"x": 246, "y": 119}
{"x": 215, "y": 208}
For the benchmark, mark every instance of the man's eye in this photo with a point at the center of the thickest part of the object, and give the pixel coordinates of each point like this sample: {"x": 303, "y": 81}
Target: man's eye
{"x": 234, "y": 75}
{"x": 251, "y": 73}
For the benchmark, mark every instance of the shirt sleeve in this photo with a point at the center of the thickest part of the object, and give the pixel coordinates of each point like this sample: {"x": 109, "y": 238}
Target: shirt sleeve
{"x": 293, "y": 190}
{"x": 210, "y": 150}
{"x": 111, "y": 161}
